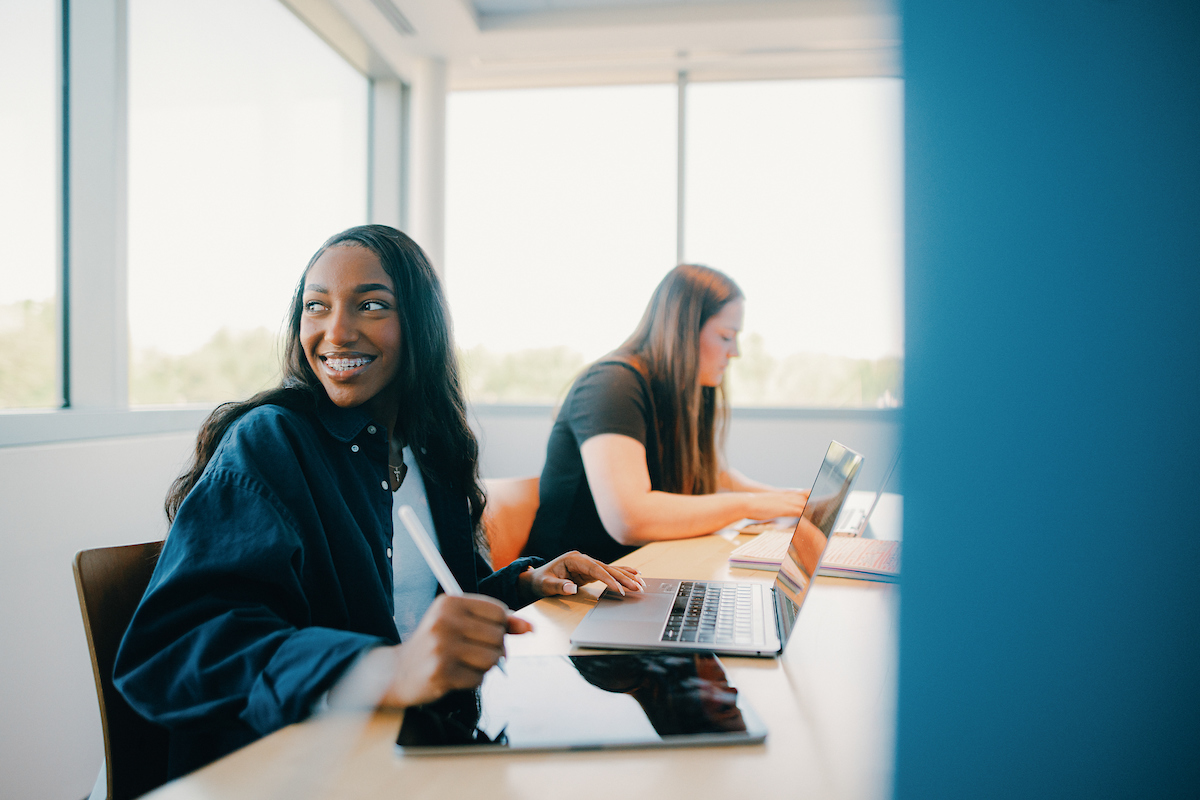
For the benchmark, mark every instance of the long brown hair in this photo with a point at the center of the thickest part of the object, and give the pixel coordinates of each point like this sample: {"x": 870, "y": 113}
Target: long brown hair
{"x": 432, "y": 419}
{"x": 665, "y": 347}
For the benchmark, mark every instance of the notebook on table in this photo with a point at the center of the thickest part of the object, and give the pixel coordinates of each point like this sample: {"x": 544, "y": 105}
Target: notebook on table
{"x": 846, "y": 557}
{"x": 733, "y": 617}
{"x": 765, "y": 551}
{"x": 861, "y": 559}
{"x": 851, "y": 554}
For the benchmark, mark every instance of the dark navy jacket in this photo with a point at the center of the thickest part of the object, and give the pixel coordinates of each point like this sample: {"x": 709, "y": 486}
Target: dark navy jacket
{"x": 275, "y": 576}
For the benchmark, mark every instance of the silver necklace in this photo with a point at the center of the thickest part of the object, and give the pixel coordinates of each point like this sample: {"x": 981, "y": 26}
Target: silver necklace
{"x": 398, "y": 472}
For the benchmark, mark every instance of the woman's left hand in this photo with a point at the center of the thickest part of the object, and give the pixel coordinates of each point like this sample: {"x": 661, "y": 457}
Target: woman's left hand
{"x": 565, "y": 574}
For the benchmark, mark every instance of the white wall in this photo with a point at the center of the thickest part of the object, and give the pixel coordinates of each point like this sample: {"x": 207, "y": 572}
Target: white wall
{"x": 61, "y": 498}
{"x": 56, "y": 500}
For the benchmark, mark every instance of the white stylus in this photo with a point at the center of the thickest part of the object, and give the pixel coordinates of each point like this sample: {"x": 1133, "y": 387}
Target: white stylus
{"x": 429, "y": 551}
{"x": 433, "y": 557}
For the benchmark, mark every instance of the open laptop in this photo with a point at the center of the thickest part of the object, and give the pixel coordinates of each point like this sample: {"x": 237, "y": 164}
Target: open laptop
{"x": 856, "y": 516}
{"x": 733, "y": 617}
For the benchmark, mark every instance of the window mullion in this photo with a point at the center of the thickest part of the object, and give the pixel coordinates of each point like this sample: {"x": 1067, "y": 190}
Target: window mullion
{"x": 680, "y": 165}
{"x": 385, "y": 173}
{"x": 95, "y": 208}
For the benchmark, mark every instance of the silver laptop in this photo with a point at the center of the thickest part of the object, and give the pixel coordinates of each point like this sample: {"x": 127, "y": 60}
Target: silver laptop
{"x": 733, "y": 617}
{"x": 855, "y": 517}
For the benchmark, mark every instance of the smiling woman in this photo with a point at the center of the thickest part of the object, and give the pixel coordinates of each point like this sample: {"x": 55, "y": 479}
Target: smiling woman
{"x": 282, "y": 569}
{"x": 350, "y": 330}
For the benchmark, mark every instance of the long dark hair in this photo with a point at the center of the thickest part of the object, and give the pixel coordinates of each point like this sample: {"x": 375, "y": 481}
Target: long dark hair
{"x": 433, "y": 417}
{"x": 665, "y": 347}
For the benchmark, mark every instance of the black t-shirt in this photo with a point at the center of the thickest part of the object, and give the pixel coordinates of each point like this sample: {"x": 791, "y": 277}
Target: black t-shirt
{"x": 610, "y": 397}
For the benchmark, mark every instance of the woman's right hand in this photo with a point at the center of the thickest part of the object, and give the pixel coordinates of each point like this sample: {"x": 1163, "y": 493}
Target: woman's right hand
{"x": 767, "y": 505}
{"x": 458, "y": 641}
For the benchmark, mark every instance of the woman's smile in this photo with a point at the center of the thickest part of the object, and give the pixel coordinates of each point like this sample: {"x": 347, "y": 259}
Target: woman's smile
{"x": 345, "y": 366}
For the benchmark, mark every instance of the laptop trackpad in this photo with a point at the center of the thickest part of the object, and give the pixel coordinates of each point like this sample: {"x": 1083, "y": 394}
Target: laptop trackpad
{"x": 648, "y": 606}
{"x": 634, "y": 620}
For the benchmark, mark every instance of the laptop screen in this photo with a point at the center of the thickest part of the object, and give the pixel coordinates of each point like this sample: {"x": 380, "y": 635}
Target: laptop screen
{"x": 825, "y": 501}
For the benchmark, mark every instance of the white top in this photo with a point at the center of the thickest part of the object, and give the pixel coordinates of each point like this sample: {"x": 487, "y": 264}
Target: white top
{"x": 413, "y": 583}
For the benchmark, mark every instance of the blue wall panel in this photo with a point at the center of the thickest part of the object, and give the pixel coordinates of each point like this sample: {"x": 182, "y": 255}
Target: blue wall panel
{"x": 1050, "y": 641}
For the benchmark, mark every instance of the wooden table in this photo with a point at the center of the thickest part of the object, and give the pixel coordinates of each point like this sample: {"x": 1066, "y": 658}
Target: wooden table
{"x": 829, "y": 704}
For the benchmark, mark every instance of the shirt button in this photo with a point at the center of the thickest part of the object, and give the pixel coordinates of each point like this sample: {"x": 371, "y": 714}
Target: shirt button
{"x": 389, "y": 552}
{"x": 353, "y": 448}
{"x": 370, "y": 429}
{"x": 383, "y": 484}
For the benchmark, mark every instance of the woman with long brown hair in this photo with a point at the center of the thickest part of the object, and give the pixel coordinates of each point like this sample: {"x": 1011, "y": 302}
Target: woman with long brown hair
{"x": 282, "y": 568}
{"x": 635, "y": 452}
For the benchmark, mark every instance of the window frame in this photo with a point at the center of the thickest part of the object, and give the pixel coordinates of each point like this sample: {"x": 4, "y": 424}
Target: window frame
{"x": 683, "y": 83}
{"x": 92, "y": 373}
{"x": 406, "y": 113}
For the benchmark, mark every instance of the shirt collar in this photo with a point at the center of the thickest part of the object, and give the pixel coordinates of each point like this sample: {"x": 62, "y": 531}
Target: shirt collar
{"x": 343, "y": 424}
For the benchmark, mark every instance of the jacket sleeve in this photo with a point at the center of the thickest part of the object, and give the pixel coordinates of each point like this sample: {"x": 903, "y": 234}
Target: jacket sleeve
{"x": 222, "y": 636}
{"x": 502, "y": 584}
{"x": 452, "y": 519}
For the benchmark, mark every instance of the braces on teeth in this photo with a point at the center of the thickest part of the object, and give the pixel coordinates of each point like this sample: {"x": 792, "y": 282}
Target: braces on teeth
{"x": 341, "y": 364}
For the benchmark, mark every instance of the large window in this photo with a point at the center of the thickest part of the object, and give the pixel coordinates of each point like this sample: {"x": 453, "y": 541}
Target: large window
{"x": 562, "y": 214}
{"x": 795, "y": 189}
{"x": 247, "y": 148}
{"x": 560, "y": 220}
{"x": 28, "y": 194}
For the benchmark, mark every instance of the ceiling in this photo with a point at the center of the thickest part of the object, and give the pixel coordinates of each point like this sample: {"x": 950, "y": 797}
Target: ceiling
{"x": 515, "y": 43}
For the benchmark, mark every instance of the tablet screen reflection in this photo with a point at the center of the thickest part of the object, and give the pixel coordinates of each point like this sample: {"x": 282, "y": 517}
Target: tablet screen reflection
{"x": 583, "y": 701}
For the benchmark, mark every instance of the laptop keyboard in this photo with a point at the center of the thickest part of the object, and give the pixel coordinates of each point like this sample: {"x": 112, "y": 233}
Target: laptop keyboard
{"x": 717, "y": 613}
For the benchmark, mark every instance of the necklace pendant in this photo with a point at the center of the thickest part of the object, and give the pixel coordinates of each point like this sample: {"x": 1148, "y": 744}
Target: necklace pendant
{"x": 398, "y": 473}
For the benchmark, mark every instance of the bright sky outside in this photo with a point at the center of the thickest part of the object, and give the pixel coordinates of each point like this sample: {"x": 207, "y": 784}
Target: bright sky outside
{"x": 28, "y": 150}
{"x": 232, "y": 125}
{"x": 236, "y": 111}
{"x": 560, "y": 202}
{"x": 795, "y": 189}
{"x": 561, "y": 211}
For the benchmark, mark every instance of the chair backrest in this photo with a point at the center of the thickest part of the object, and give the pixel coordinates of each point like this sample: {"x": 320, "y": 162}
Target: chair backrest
{"x": 508, "y": 516}
{"x": 111, "y": 582}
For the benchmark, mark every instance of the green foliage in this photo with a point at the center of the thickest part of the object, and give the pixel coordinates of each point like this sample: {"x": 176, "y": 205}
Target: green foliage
{"x": 813, "y": 380}
{"x": 749, "y": 377}
{"x": 230, "y": 366}
{"x": 526, "y": 376}
{"x": 30, "y": 365}
{"x": 755, "y": 379}
{"x": 233, "y": 366}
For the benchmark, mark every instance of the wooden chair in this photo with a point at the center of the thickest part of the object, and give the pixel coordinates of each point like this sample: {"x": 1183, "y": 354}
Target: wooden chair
{"x": 111, "y": 582}
{"x": 511, "y": 506}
